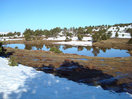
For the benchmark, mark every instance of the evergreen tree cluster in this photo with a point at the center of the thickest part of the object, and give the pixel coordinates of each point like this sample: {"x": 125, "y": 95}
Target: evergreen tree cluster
{"x": 10, "y": 34}
{"x": 130, "y": 31}
{"x": 2, "y": 50}
{"x": 98, "y": 32}
{"x": 36, "y": 35}
{"x": 101, "y": 35}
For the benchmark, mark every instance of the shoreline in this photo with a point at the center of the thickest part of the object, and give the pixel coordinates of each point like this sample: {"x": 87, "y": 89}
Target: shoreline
{"x": 114, "y": 43}
{"x": 75, "y": 43}
{"x": 110, "y": 43}
{"x": 26, "y": 81}
{"x": 48, "y": 62}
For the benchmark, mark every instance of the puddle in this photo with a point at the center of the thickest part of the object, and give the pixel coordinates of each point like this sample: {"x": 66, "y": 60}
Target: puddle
{"x": 35, "y": 59}
{"x": 67, "y": 68}
{"x": 101, "y": 59}
{"x": 118, "y": 72}
{"x": 112, "y": 79}
{"x": 43, "y": 59}
{"x": 48, "y": 68}
{"x": 103, "y": 64}
{"x": 122, "y": 61}
{"x": 80, "y": 59}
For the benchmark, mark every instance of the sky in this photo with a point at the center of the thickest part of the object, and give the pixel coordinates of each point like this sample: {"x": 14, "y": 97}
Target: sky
{"x": 17, "y": 15}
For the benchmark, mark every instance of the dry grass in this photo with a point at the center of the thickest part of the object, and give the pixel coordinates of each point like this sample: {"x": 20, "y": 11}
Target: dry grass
{"x": 114, "y": 43}
{"x": 32, "y": 58}
{"x": 111, "y": 66}
{"x": 108, "y": 66}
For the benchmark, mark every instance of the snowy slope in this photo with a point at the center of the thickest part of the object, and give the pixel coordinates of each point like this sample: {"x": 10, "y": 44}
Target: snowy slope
{"x": 26, "y": 83}
{"x": 121, "y": 31}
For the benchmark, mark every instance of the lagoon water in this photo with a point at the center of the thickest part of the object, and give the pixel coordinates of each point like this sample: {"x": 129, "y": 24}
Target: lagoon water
{"x": 87, "y": 51}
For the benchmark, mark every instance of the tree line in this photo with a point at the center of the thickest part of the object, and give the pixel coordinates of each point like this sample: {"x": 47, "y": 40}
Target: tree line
{"x": 97, "y": 32}
{"x": 10, "y": 34}
{"x": 68, "y": 33}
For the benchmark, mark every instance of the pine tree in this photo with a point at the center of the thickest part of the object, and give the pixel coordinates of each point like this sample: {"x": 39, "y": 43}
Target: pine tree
{"x": 116, "y": 35}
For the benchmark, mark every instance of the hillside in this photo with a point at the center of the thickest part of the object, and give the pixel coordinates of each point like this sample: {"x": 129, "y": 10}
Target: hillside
{"x": 87, "y": 33}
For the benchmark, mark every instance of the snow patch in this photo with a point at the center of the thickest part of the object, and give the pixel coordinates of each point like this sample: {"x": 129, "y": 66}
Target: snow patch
{"x": 9, "y": 39}
{"x": 75, "y": 38}
{"x": 120, "y": 30}
{"x": 76, "y": 43}
{"x": 23, "y": 82}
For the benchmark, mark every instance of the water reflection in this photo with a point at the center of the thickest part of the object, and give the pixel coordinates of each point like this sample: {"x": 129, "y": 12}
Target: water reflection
{"x": 80, "y": 50}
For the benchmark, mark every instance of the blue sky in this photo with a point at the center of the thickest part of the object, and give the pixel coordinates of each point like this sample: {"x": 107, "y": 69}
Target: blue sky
{"x": 17, "y": 15}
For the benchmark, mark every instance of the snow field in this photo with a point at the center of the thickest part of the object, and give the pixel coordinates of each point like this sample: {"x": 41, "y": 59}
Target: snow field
{"x": 21, "y": 82}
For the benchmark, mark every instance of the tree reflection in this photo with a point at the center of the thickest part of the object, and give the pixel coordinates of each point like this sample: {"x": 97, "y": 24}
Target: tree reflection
{"x": 88, "y": 48}
{"x": 95, "y": 51}
{"x": 103, "y": 49}
{"x": 48, "y": 46}
{"x": 67, "y": 46}
{"x": 130, "y": 52}
{"x": 80, "y": 48}
{"x": 51, "y": 46}
{"x": 28, "y": 46}
{"x": 39, "y": 47}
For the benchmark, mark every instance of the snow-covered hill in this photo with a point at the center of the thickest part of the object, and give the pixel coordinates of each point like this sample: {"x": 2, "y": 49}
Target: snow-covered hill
{"x": 120, "y": 30}
{"x": 23, "y": 82}
{"x": 86, "y": 32}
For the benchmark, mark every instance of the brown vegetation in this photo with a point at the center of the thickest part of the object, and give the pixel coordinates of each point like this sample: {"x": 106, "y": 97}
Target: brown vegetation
{"x": 114, "y": 43}
{"x": 114, "y": 67}
{"x": 111, "y": 66}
